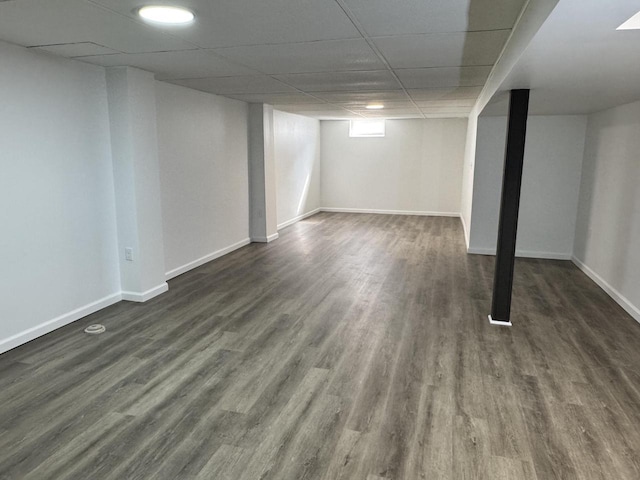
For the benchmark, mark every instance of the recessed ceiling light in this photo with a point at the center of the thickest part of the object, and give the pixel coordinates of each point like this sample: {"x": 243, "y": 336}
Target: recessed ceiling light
{"x": 375, "y": 106}
{"x": 166, "y": 15}
{"x": 632, "y": 24}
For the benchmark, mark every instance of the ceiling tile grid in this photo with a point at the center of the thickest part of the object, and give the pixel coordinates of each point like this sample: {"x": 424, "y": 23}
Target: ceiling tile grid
{"x": 241, "y": 84}
{"x": 307, "y": 57}
{"x": 173, "y": 65}
{"x": 442, "y": 49}
{"x": 342, "y": 81}
{"x": 55, "y": 22}
{"x": 382, "y": 17}
{"x": 417, "y": 78}
{"x": 74, "y": 50}
{"x": 321, "y": 58}
{"x": 232, "y": 23}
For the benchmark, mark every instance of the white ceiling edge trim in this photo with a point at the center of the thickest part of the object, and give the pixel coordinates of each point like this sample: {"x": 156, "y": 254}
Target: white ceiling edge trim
{"x": 632, "y": 24}
{"x": 531, "y": 18}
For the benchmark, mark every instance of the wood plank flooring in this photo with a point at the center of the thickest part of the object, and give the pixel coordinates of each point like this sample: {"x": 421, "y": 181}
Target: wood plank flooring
{"x": 354, "y": 347}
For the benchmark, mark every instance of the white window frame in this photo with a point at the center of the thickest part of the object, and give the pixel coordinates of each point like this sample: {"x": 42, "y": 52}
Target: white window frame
{"x": 367, "y": 128}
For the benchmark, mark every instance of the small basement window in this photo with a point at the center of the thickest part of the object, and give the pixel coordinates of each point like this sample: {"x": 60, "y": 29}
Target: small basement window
{"x": 367, "y": 128}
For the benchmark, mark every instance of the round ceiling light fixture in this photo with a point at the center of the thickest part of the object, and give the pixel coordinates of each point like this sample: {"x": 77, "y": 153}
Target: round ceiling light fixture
{"x": 375, "y": 106}
{"x": 166, "y": 15}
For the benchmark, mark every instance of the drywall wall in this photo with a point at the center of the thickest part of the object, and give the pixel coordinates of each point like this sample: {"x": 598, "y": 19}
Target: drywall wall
{"x": 416, "y": 167}
{"x": 550, "y": 185}
{"x": 263, "y": 219}
{"x": 608, "y": 223}
{"x": 297, "y": 164}
{"x": 202, "y": 145}
{"x": 468, "y": 168}
{"x": 134, "y": 147}
{"x": 58, "y": 249}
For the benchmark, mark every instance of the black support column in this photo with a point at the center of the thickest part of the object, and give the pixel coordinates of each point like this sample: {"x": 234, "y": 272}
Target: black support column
{"x": 509, "y": 206}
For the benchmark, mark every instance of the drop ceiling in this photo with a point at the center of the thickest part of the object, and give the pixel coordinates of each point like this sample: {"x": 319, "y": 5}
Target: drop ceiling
{"x": 322, "y": 58}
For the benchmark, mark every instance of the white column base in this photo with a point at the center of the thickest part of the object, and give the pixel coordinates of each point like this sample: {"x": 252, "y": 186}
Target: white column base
{"x": 144, "y": 296}
{"x": 268, "y": 239}
{"x": 498, "y": 322}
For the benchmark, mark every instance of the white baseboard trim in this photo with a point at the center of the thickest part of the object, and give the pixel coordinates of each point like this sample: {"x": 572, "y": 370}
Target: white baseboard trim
{"x": 62, "y": 320}
{"x": 144, "y": 296}
{"x": 298, "y": 218}
{"x": 268, "y": 239}
{"x": 481, "y": 251}
{"x": 620, "y": 299}
{"x": 390, "y": 212}
{"x": 499, "y": 323}
{"x": 522, "y": 253}
{"x": 207, "y": 258}
{"x": 543, "y": 255}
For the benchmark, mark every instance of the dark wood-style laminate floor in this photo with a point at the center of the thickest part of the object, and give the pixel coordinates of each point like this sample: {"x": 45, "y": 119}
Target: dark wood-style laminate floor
{"x": 354, "y": 347}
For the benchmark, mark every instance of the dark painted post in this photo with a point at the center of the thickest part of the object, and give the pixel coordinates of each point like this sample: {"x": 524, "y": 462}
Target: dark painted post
{"x": 509, "y": 206}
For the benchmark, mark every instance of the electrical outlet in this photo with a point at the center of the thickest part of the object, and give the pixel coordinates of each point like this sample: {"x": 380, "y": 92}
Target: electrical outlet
{"x": 128, "y": 254}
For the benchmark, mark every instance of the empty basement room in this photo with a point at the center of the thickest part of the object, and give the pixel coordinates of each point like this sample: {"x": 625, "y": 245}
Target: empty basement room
{"x": 320, "y": 239}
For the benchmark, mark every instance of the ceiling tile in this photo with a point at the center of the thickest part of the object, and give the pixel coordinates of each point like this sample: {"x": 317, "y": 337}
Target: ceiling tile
{"x": 359, "y": 96}
{"x": 327, "y": 56}
{"x": 436, "y": 110}
{"x": 331, "y": 114}
{"x": 388, "y": 106}
{"x": 463, "y": 102}
{"x": 342, "y": 81}
{"x": 442, "y": 49}
{"x": 388, "y": 111}
{"x": 384, "y": 17}
{"x": 174, "y": 65}
{"x": 76, "y": 49}
{"x": 327, "y": 112}
{"x": 274, "y": 98}
{"x": 307, "y": 107}
{"x": 396, "y": 115}
{"x": 236, "y": 84}
{"x": 46, "y": 22}
{"x": 226, "y": 23}
{"x": 444, "y": 93}
{"x": 443, "y": 77}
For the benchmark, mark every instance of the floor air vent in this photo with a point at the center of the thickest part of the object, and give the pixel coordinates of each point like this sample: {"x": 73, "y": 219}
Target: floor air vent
{"x": 95, "y": 329}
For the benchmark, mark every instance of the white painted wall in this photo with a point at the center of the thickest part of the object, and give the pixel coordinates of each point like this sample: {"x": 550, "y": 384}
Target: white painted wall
{"x": 550, "y": 185}
{"x": 134, "y": 147}
{"x": 202, "y": 144}
{"x": 297, "y": 162}
{"x": 263, "y": 219}
{"x": 468, "y": 168}
{"x": 608, "y": 225}
{"x": 58, "y": 247}
{"x": 416, "y": 167}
